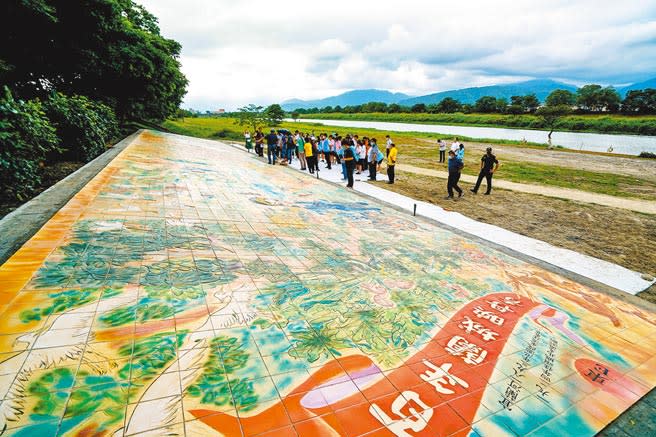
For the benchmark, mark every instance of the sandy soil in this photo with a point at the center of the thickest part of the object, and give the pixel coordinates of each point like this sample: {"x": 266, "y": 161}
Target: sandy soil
{"x": 619, "y": 236}
{"x": 639, "y": 205}
{"x": 637, "y": 167}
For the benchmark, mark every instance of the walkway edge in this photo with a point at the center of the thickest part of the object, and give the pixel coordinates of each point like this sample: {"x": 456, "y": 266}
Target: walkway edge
{"x": 21, "y": 224}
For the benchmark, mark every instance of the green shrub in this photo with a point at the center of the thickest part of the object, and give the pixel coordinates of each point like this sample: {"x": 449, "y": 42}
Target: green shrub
{"x": 26, "y": 137}
{"x": 84, "y": 127}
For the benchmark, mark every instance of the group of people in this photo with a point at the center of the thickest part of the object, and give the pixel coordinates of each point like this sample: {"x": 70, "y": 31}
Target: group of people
{"x": 456, "y": 162}
{"x": 355, "y": 155}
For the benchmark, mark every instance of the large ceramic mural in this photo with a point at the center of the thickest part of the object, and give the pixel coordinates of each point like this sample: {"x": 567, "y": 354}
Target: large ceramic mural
{"x": 191, "y": 290}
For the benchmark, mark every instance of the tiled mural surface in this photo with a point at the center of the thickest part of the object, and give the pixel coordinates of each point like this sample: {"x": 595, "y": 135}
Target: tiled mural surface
{"x": 190, "y": 289}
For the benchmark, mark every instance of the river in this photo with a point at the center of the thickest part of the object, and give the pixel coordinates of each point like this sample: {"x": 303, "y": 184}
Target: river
{"x": 623, "y": 144}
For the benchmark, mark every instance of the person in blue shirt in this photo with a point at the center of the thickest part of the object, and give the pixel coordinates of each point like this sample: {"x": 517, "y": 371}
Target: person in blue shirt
{"x": 325, "y": 147}
{"x": 455, "y": 165}
{"x": 460, "y": 154}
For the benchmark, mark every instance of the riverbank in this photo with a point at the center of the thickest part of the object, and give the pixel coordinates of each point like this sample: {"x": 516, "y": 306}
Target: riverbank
{"x": 603, "y": 124}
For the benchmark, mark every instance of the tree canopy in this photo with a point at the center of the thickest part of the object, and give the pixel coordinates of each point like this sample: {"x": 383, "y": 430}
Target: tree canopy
{"x": 561, "y": 97}
{"x": 251, "y": 116}
{"x": 107, "y": 50}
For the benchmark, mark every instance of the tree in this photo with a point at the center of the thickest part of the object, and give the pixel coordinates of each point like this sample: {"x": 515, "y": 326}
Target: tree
{"x": 550, "y": 115}
{"x": 107, "y": 50}
{"x": 374, "y": 107}
{"x": 609, "y": 99}
{"x": 251, "y": 116}
{"x": 418, "y": 107}
{"x": 595, "y": 98}
{"x": 26, "y": 139}
{"x": 515, "y": 109}
{"x": 295, "y": 115}
{"x": 394, "y": 108}
{"x": 274, "y": 114}
{"x": 640, "y": 102}
{"x": 501, "y": 105}
{"x": 586, "y": 97}
{"x": 560, "y": 97}
{"x": 531, "y": 102}
{"x": 449, "y": 105}
{"x": 486, "y": 104}
{"x": 517, "y": 101}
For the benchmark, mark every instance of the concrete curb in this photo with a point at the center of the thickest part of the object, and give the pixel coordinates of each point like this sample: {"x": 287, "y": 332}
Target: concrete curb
{"x": 21, "y": 224}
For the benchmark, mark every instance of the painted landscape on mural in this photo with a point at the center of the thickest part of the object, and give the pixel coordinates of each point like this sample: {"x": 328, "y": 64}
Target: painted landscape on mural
{"x": 190, "y": 289}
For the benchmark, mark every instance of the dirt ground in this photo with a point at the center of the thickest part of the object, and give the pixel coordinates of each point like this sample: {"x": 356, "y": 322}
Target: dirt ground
{"x": 605, "y": 163}
{"x": 51, "y": 175}
{"x": 622, "y": 237}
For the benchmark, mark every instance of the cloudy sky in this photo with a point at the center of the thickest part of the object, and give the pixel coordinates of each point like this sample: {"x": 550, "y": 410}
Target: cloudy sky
{"x": 256, "y": 51}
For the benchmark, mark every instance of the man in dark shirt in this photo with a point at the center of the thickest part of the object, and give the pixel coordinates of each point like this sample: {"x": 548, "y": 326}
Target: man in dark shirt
{"x": 272, "y": 144}
{"x": 489, "y": 164}
{"x": 259, "y": 142}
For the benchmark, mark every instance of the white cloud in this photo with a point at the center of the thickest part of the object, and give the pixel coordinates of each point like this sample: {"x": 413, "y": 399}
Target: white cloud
{"x": 235, "y": 53}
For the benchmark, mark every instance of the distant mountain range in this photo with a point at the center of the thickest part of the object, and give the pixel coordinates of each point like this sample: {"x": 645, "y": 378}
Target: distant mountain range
{"x": 540, "y": 87}
{"x": 355, "y": 97}
{"x": 651, "y": 83}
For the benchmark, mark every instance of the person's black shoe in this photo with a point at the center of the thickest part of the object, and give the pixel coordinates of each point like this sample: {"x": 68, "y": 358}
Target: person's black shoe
{"x": 460, "y": 194}
{"x": 473, "y": 191}
{"x": 448, "y": 197}
{"x": 390, "y": 182}
{"x": 486, "y": 193}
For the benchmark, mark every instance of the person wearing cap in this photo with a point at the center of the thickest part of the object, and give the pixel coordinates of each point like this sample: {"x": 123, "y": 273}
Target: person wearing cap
{"x": 489, "y": 164}
{"x": 272, "y": 142}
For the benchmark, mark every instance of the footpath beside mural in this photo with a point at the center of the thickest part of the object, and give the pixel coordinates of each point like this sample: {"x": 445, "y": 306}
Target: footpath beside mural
{"x": 190, "y": 289}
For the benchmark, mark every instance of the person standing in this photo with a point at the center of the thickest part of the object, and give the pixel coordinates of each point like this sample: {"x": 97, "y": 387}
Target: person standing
{"x": 325, "y": 146}
{"x": 362, "y": 157}
{"x": 349, "y": 163}
{"x": 259, "y": 142}
{"x": 315, "y": 154}
{"x": 309, "y": 155}
{"x": 300, "y": 148}
{"x": 391, "y": 162}
{"x": 489, "y": 164}
{"x": 249, "y": 142}
{"x": 460, "y": 153}
{"x": 455, "y": 165}
{"x": 272, "y": 142}
{"x": 442, "y": 146}
{"x": 388, "y": 145}
{"x": 358, "y": 149}
{"x": 291, "y": 147}
{"x": 372, "y": 158}
{"x": 455, "y": 145}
